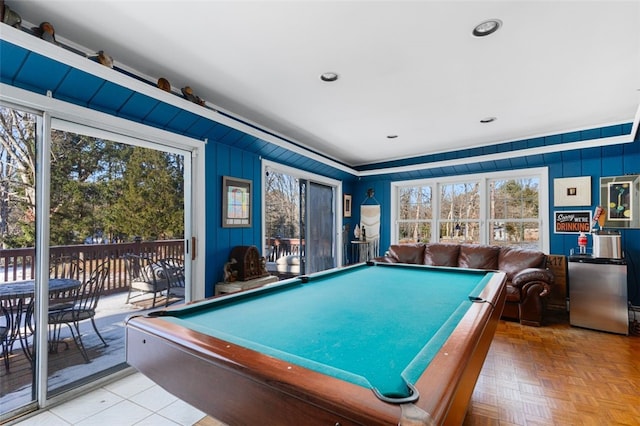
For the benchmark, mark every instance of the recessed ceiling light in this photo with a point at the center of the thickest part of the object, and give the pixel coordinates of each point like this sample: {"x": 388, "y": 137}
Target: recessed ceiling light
{"x": 329, "y": 76}
{"x": 487, "y": 27}
{"x": 488, "y": 120}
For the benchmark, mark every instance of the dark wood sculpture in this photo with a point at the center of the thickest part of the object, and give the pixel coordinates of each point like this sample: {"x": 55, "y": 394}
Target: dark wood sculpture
{"x": 249, "y": 264}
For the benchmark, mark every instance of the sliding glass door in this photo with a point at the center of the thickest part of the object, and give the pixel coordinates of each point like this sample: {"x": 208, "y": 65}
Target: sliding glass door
{"x": 321, "y": 229}
{"x": 299, "y": 221}
{"x": 20, "y": 190}
{"x": 78, "y": 204}
{"x": 115, "y": 207}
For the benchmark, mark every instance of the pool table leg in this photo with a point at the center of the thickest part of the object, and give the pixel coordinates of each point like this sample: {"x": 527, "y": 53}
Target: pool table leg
{"x": 413, "y": 415}
{"x": 458, "y": 409}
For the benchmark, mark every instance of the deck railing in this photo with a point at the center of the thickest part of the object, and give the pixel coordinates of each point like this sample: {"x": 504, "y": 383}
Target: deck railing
{"x": 17, "y": 264}
{"x": 275, "y": 248}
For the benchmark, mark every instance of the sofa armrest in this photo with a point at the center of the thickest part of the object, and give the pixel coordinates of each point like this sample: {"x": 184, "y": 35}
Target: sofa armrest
{"x": 529, "y": 275}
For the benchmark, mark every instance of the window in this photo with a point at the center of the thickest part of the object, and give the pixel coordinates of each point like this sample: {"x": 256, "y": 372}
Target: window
{"x": 415, "y": 214}
{"x": 511, "y": 204}
{"x": 514, "y": 212}
{"x": 459, "y": 220}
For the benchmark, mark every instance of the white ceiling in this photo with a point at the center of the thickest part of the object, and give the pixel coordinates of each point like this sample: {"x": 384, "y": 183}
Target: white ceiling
{"x": 407, "y": 68}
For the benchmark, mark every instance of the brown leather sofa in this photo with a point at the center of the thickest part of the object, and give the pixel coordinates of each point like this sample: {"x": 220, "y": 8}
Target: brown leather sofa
{"x": 528, "y": 281}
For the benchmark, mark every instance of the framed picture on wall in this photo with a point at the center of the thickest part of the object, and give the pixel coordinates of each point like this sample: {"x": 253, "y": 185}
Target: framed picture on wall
{"x": 573, "y": 191}
{"x": 346, "y": 205}
{"x": 236, "y": 202}
{"x": 620, "y": 199}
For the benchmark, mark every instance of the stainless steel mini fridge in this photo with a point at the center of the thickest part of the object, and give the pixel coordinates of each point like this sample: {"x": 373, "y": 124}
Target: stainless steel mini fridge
{"x": 598, "y": 293}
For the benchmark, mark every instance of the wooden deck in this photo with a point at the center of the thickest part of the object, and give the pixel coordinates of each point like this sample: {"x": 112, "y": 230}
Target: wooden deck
{"x": 20, "y": 374}
{"x": 67, "y": 364}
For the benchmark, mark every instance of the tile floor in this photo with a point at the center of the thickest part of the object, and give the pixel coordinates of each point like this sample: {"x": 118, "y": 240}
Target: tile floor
{"x": 133, "y": 400}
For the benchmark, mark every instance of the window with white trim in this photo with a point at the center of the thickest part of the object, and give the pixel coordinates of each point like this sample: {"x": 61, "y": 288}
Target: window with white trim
{"x": 501, "y": 208}
{"x": 459, "y": 219}
{"x": 415, "y": 214}
{"x": 514, "y": 211}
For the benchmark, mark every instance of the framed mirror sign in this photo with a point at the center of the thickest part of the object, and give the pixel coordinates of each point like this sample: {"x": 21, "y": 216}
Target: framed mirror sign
{"x": 236, "y": 202}
{"x": 620, "y": 199}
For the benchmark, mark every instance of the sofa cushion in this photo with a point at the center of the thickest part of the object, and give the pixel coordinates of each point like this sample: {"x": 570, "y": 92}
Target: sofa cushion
{"x": 288, "y": 264}
{"x": 292, "y": 259}
{"x": 408, "y": 253}
{"x": 478, "y": 256}
{"x": 513, "y": 260}
{"x": 439, "y": 254}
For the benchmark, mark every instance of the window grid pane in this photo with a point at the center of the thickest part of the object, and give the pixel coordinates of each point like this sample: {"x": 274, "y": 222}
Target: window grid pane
{"x": 514, "y": 212}
{"x": 512, "y": 206}
{"x": 522, "y": 233}
{"x": 514, "y": 198}
{"x": 414, "y": 232}
{"x": 460, "y": 201}
{"x": 459, "y": 231}
{"x": 415, "y": 213}
{"x": 415, "y": 203}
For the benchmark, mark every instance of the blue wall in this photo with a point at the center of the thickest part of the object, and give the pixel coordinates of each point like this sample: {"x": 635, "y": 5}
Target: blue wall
{"x": 222, "y": 161}
{"x": 597, "y": 162}
{"x": 234, "y": 153}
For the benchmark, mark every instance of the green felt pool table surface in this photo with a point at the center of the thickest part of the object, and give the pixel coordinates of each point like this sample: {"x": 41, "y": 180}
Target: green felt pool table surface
{"x": 343, "y": 323}
{"x": 376, "y": 326}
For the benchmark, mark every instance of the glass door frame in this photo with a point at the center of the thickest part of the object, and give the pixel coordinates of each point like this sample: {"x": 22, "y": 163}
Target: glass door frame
{"x": 268, "y": 165}
{"x": 104, "y": 125}
{"x": 308, "y": 213}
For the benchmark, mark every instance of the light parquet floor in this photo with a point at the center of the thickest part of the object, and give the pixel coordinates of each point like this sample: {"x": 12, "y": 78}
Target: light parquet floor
{"x": 558, "y": 375}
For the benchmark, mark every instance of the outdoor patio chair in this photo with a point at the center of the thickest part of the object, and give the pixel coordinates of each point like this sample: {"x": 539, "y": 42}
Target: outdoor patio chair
{"x": 83, "y": 308}
{"x": 5, "y": 327}
{"x": 175, "y": 271}
{"x": 64, "y": 267}
{"x": 146, "y": 275}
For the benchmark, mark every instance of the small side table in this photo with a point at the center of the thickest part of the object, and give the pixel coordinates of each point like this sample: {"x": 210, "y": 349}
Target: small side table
{"x": 233, "y": 287}
{"x": 360, "y": 251}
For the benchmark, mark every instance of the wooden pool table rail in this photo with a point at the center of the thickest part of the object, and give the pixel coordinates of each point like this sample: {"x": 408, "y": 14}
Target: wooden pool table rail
{"x": 242, "y": 386}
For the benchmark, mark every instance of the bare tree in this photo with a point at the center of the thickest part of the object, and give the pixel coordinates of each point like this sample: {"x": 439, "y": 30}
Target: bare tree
{"x": 17, "y": 173}
{"x": 282, "y": 205}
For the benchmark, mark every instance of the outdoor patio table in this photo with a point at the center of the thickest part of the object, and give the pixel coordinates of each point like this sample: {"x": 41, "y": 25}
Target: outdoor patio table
{"x": 18, "y": 297}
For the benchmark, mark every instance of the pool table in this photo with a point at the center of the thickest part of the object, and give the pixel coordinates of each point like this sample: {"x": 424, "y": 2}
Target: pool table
{"x": 369, "y": 344}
